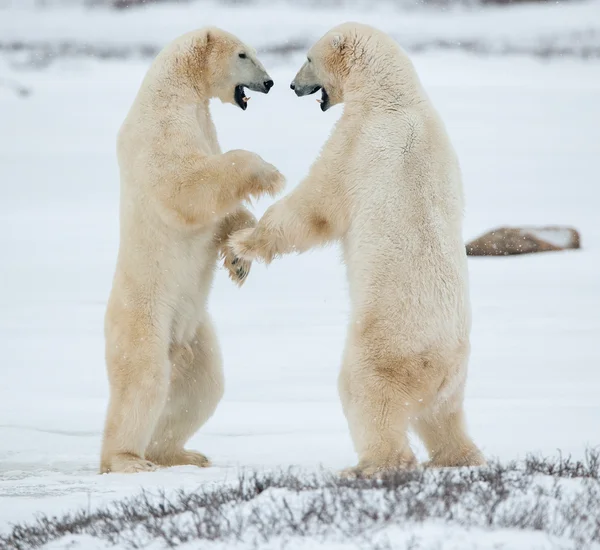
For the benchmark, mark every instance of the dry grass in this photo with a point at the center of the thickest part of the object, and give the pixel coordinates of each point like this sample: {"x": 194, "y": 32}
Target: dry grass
{"x": 560, "y": 497}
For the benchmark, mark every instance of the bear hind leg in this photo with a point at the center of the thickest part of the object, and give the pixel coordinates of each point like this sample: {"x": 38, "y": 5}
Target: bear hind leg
{"x": 377, "y": 409}
{"x": 445, "y": 436}
{"x": 138, "y": 390}
{"x": 196, "y": 388}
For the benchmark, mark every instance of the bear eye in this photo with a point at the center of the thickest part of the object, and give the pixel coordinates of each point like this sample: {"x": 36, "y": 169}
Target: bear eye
{"x": 309, "y": 59}
{"x": 242, "y": 55}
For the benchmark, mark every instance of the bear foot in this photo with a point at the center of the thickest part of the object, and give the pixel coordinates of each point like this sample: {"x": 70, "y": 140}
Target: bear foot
{"x": 129, "y": 464}
{"x": 377, "y": 470}
{"x": 184, "y": 458}
{"x": 471, "y": 458}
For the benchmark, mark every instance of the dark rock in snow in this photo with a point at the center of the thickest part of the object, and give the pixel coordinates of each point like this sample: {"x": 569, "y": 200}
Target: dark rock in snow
{"x": 506, "y": 241}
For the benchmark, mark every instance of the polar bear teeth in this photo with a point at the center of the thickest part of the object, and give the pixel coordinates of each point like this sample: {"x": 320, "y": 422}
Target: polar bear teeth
{"x": 240, "y": 96}
{"x": 324, "y": 101}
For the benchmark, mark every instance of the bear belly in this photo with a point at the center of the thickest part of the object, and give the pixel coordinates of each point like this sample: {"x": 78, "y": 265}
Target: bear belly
{"x": 190, "y": 284}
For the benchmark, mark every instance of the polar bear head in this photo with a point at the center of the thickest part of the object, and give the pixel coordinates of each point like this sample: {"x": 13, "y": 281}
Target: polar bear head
{"x": 348, "y": 58}
{"x": 217, "y": 64}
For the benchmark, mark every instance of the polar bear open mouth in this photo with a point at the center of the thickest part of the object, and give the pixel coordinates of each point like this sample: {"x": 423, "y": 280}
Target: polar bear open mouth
{"x": 240, "y": 96}
{"x": 324, "y": 101}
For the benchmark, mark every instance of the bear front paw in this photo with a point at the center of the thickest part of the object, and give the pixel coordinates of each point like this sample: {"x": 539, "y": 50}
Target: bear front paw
{"x": 238, "y": 268}
{"x": 258, "y": 177}
{"x": 242, "y": 245}
{"x": 266, "y": 180}
{"x": 254, "y": 244}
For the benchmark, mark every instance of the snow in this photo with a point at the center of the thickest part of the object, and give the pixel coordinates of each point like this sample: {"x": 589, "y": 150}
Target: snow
{"x": 528, "y": 137}
{"x": 557, "y": 236}
{"x": 431, "y": 535}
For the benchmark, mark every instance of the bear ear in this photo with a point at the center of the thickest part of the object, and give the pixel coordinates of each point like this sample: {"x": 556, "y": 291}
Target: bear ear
{"x": 337, "y": 41}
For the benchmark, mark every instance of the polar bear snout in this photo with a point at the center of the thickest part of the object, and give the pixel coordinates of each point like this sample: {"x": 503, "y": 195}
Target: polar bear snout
{"x": 263, "y": 86}
{"x": 305, "y": 89}
{"x": 306, "y": 82}
{"x": 309, "y": 89}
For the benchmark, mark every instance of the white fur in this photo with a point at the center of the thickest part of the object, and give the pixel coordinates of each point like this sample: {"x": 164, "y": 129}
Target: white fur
{"x": 387, "y": 185}
{"x": 180, "y": 200}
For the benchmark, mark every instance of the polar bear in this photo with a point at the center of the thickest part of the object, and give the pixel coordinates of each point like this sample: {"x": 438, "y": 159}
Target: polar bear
{"x": 387, "y": 185}
{"x": 181, "y": 198}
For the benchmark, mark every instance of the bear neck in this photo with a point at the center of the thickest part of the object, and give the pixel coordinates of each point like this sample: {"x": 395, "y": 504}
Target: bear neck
{"x": 178, "y": 83}
{"x": 382, "y": 79}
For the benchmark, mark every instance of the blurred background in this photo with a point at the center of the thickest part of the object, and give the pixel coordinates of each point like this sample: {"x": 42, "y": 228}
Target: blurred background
{"x": 335, "y": 3}
{"x": 543, "y": 28}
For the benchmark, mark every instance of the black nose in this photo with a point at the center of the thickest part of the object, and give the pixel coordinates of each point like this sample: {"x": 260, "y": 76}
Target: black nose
{"x": 268, "y": 84}
{"x": 292, "y": 86}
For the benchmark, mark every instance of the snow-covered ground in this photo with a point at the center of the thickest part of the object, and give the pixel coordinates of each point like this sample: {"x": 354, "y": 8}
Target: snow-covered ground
{"x": 528, "y": 135}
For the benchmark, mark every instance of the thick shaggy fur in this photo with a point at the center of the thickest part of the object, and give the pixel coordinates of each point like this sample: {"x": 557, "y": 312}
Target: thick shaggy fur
{"x": 387, "y": 185}
{"x": 180, "y": 200}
